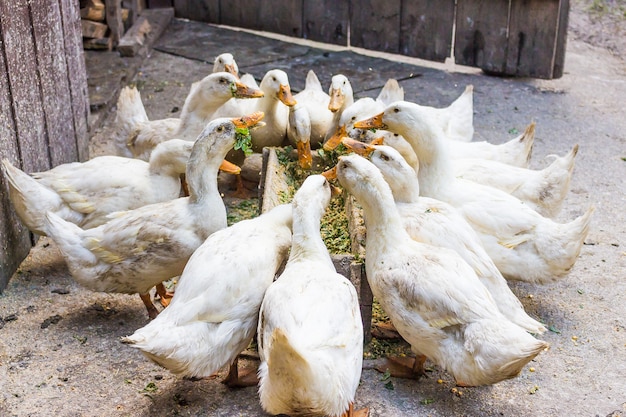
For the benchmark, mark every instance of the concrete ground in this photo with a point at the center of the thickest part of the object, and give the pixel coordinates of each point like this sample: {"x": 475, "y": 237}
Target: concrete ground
{"x": 59, "y": 343}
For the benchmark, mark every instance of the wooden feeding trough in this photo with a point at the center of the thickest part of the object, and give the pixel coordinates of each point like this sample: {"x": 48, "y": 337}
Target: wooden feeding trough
{"x": 275, "y": 190}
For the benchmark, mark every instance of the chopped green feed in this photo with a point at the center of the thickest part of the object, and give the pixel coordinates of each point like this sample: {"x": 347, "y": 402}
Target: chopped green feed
{"x": 245, "y": 209}
{"x": 334, "y": 225}
{"x": 243, "y": 140}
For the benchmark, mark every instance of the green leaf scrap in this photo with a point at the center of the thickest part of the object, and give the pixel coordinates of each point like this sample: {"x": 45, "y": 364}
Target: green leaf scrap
{"x": 243, "y": 140}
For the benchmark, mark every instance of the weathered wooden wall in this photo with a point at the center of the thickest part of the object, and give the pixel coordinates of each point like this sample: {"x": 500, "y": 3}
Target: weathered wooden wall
{"x": 508, "y": 37}
{"x": 43, "y": 102}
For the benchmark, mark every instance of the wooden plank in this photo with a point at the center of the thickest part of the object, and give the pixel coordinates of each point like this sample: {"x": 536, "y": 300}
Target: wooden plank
{"x": 157, "y": 4}
{"x": 114, "y": 20}
{"x": 204, "y": 10}
{"x": 481, "y": 34}
{"x": 326, "y": 21}
{"x": 76, "y": 74}
{"x": 21, "y": 64}
{"x": 241, "y": 13}
{"x": 561, "y": 39}
{"x": 93, "y": 30}
{"x": 134, "y": 38}
{"x": 374, "y": 24}
{"x": 426, "y": 29}
{"x": 181, "y": 8}
{"x": 55, "y": 89}
{"x": 532, "y": 38}
{"x": 14, "y": 237}
{"x": 280, "y": 16}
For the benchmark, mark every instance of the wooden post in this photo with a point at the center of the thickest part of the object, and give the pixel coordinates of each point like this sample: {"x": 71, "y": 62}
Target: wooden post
{"x": 114, "y": 20}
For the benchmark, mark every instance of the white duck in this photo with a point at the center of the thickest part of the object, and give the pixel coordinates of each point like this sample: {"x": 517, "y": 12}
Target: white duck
{"x": 523, "y": 244}
{"x": 137, "y": 136}
{"x": 439, "y": 224}
{"x": 310, "y": 333}
{"x": 86, "y": 193}
{"x": 341, "y": 97}
{"x": 432, "y": 296}
{"x": 315, "y": 100}
{"x": 543, "y": 190}
{"x": 140, "y": 248}
{"x": 214, "y": 313}
{"x": 350, "y": 111}
{"x": 516, "y": 151}
{"x": 299, "y": 134}
{"x": 226, "y": 63}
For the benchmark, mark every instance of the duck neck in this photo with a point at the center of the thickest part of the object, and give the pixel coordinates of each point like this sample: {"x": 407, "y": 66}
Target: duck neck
{"x": 382, "y": 220}
{"x": 435, "y": 167}
{"x": 197, "y": 111}
{"x": 170, "y": 158}
{"x": 201, "y": 175}
{"x": 408, "y": 191}
{"x": 307, "y": 240}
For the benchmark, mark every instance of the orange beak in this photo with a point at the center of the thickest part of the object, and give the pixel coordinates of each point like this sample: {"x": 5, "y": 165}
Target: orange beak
{"x": 305, "y": 160}
{"x": 336, "y": 100}
{"x": 249, "y": 120}
{"x": 330, "y": 174}
{"x": 357, "y": 147}
{"x": 230, "y": 168}
{"x": 335, "y": 139}
{"x": 378, "y": 141}
{"x": 284, "y": 95}
{"x": 375, "y": 122}
{"x": 240, "y": 90}
{"x": 231, "y": 69}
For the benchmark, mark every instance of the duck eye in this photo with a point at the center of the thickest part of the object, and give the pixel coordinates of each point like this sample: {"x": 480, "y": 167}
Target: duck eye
{"x": 273, "y": 78}
{"x": 384, "y": 157}
{"x": 395, "y": 135}
{"x": 396, "y": 110}
{"x": 220, "y": 128}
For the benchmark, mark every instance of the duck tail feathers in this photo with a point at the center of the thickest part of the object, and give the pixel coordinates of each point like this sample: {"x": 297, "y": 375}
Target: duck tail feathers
{"x": 312, "y": 82}
{"x": 391, "y": 92}
{"x": 30, "y": 199}
{"x": 130, "y": 113}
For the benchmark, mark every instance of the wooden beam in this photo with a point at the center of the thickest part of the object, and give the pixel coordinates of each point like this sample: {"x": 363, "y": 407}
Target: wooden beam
{"x": 76, "y": 75}
{"x": 426, "y": 29}
{"x": 326, "y": 21}
{"x": 114, "y": 20}
{"x": 374, "y": 25}
{"x": 55, "y": 90}
{"x": 93, "y": 30}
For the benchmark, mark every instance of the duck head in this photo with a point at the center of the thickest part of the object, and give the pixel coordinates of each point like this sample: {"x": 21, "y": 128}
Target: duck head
{"x": 275, "y": 83}
{"x": 226, "y": 63}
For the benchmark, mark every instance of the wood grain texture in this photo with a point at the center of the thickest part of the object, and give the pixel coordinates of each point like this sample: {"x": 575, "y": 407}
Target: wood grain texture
{"x": 374, "y": 24}
{"x": 14, "y": 238}
{"x": 76, "y": 74}
{"x": 24, "y": 85}
{"x": 55, "y": 89}
{"x": 532, "y": 38}
{"x": 481, "y": 34}
{"x": 204, "y": 10}
{"x": 426, "y": 29}
{"x": 326, "y": 21}
{"x": 240, "y": 13}
{"x": 561, "y": 40}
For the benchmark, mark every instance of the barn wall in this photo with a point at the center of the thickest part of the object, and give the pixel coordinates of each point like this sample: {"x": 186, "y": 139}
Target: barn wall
{"x": 43, "y": 102}
{"x": 524, "y": 38}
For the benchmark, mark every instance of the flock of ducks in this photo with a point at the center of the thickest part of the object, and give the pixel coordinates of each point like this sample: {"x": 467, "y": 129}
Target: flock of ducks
{"x": 448, "y": 222}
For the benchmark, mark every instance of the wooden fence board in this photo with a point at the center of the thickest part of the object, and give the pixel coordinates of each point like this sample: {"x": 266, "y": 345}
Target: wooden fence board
{"x": 426, "y": 29}
{"x": 204, "y": 10}
{"x": 532, "y": 38}
{"x": 561, "y": 39}
{"x": 374, "y": 24}
{"x": 14, "y": 239}
{"x": 326, "y": 21}
{"x": 76, "y": 74}
{"x": 240, "y": 13}
{"x": 24, "y": 83}
{"x": 55, "y": 90}
{"x": 280, "y": 16}
{"x": 481, "y": 34}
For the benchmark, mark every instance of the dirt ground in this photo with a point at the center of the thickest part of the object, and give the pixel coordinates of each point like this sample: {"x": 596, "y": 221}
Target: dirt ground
{"x": 60, "y": 352}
